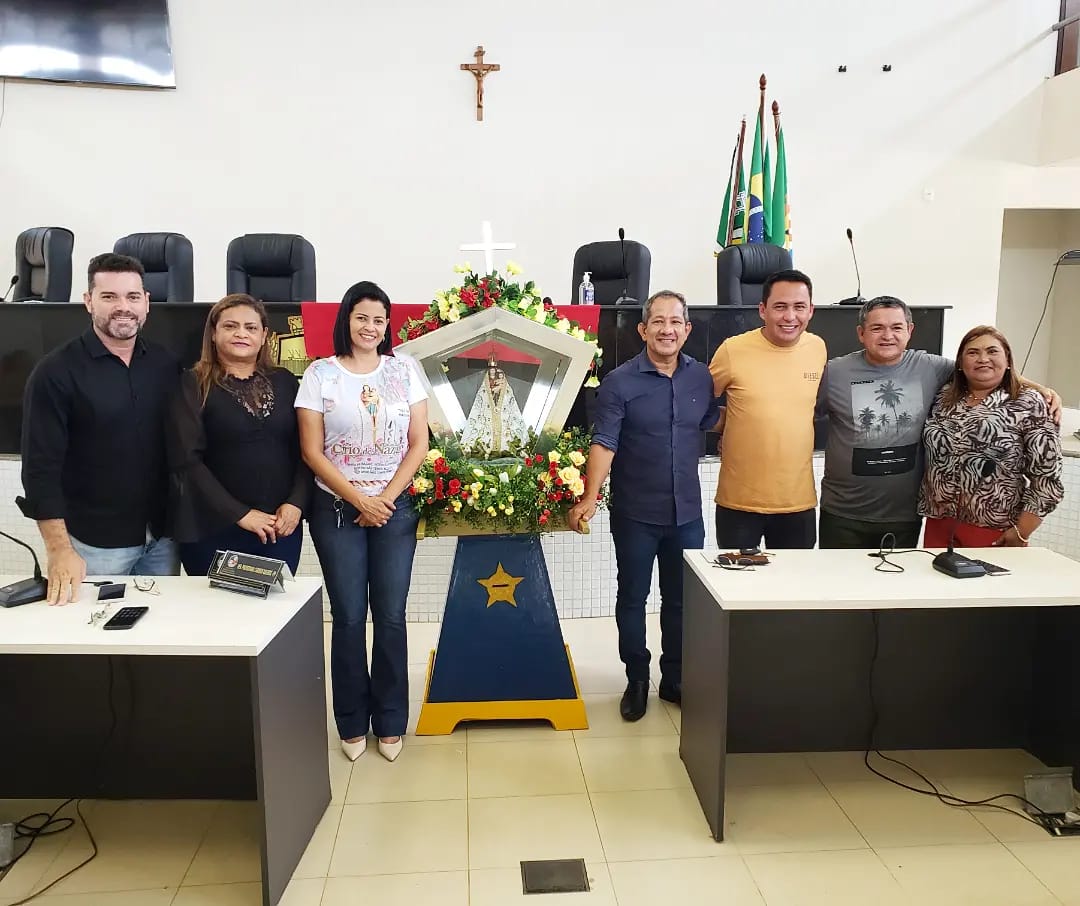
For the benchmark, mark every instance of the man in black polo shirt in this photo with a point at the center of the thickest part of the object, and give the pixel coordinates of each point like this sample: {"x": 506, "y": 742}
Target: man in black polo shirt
{"x": 650, "y": 413}
{"x": 93, "y": 450}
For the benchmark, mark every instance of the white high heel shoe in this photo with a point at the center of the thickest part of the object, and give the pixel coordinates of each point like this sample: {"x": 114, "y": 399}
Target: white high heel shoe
{"x": 391, "y": 750}
{"x": 354, "y": 750}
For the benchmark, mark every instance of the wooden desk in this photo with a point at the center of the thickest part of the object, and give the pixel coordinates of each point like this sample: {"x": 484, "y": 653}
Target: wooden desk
{"x": 211, "y": 695}
{"x": 778, "y": 659}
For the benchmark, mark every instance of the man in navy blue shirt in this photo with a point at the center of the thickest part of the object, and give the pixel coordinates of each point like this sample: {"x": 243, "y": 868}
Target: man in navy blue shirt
{"x": 650, "y": 412}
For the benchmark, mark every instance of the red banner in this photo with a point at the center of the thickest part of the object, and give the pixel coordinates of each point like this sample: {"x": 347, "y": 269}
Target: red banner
{"x": 319, "y": 328}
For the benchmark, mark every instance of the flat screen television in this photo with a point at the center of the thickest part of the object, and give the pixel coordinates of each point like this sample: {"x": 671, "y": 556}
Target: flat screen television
{"x": 110, "y": 42}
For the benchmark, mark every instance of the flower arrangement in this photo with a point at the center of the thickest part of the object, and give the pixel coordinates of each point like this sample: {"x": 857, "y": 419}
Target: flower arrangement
{"x": 529, "y": 491}
{"x": 477, "y": 293}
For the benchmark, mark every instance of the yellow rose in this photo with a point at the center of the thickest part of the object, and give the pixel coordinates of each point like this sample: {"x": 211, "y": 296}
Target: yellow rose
{"x": 476, "y": 487}
{"x": 440, "y": 297}
{"x": 479, "y": 473}
{"x": 465, "y": 268}
{"x": 525, "y": 302}
{"x": 491, "y": 511}
{"x": 433, "y": 454}
{"x": 569, "y": 474}
{"x": 577, "y": 458}
{"x": 457, "y": 506}
{"x": 554, "y": 456}
{"x": 578, "y": 488}
{"x": 509, "y": 511}
{"x": 513, "y": 268}
{"x": 577, "y": 333}
{"x": 453, "y": 313}
{"x": 563, "y": 325}
{"x": 540, "y": 315}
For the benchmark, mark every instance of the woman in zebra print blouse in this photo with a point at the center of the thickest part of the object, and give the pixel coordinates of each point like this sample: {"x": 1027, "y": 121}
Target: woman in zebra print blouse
{"x": 993, "y": 455}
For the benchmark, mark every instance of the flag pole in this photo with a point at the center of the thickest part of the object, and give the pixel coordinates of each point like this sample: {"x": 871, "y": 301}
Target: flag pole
{"x": 761, "y": 103}
{"x": 776, "y": 119}
{"x": 738, "y": 167}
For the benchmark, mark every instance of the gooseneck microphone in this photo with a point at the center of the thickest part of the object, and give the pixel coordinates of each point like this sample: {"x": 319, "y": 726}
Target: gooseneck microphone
{"x": 25, "y": 591}
{"x": 14, "y": 280}
{"x": 857, "y": 299}
{"x": 625, "y": 297}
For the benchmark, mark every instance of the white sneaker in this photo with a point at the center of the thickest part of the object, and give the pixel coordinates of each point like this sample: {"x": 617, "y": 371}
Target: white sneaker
{"x": 354, "y": 750}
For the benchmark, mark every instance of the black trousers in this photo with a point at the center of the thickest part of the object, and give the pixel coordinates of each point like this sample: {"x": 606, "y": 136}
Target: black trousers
{"x": 739, "y": 528}
{"x": 841, "y": 532}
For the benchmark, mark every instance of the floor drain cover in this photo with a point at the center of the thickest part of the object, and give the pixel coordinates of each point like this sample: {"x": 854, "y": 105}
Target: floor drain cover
{"x": 554, "y": 876}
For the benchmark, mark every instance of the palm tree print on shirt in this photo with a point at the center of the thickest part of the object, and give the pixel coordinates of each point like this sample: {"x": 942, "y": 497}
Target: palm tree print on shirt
{"x": 877, "y": 411}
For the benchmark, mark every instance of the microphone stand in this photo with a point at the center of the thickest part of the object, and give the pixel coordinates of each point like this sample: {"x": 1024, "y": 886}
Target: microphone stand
{"x": 25, "y": 591}
{"x": 625, "y": 298}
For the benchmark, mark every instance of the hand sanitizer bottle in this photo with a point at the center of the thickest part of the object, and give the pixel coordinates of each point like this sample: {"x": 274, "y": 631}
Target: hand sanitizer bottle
{"x": 586, "y": 292}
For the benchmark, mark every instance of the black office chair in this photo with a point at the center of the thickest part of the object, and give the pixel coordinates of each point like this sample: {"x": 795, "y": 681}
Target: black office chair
{"x": 603, "y": 260}
{"x": 168, "y": 261}
{"x": 742, "y": 269}
{"x": 43, "y": 265}
{"x": 272, "y": 267}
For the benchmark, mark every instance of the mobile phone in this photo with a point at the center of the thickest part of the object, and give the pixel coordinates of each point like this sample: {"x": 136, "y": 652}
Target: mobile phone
{"x": 126, "y": 617}
{"x": 992, "y": 569}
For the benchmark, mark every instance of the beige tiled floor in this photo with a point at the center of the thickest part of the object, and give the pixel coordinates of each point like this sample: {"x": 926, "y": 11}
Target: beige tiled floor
{"x": 450, "y": 821}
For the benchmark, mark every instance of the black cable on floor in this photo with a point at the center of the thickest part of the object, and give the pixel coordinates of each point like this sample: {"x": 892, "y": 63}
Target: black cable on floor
{"x": 1042, "y": 820}
{"x": 25, "y": 828}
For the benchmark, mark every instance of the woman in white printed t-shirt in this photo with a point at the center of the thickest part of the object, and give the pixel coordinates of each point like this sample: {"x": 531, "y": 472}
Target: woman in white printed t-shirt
{"x": 364, "y": 433}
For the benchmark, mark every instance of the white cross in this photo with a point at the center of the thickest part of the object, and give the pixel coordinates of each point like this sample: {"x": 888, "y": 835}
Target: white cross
{"x": 487, "y": 245}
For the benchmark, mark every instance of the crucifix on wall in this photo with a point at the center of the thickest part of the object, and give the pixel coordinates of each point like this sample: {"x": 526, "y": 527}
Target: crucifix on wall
{"x": 480, "y": 71}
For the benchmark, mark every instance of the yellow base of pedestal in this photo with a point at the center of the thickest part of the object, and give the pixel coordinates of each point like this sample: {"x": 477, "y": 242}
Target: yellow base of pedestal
{"x": 440, "y": 718}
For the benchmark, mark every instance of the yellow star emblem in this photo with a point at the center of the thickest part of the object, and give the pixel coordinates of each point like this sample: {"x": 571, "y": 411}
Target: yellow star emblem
{"x": 501, "y": 586}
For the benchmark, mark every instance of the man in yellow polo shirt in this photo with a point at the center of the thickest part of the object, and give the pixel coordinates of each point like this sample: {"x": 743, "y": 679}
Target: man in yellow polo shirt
{"x": 771, "y": 378}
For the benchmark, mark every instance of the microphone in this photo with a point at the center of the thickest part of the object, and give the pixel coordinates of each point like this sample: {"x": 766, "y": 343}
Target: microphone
{"x": 625, "y": 297}
{"x": 857, "y": 299}
{"x": 14, "y": 280}
{"x": 25, "y": 591}
{"x": 957, "y": 565}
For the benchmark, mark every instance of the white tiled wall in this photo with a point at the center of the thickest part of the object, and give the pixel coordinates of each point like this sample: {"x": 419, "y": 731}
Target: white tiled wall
{"x": 581, "y": 567}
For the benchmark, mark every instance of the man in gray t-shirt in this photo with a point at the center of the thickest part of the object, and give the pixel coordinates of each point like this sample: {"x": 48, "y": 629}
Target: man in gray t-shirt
{"x": 877, "y": 401}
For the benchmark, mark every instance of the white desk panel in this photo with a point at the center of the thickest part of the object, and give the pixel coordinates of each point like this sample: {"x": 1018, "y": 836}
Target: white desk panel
{"x": 846, "y": 580}
{"x": 187, "y": 618}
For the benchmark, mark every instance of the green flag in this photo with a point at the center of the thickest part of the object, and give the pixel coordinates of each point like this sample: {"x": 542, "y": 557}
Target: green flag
{"x": 725, "y": 213}
{"x": 781, "y": 211}
{"x": 767, "y": 190}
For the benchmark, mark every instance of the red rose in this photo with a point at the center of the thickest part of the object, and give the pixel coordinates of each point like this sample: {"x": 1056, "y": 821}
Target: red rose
{"x": 543, "y": 520}
{"x": 412, "y": 333}
{"x": 432, "y": 324}
{"x": 539, "y": 458}
{"x": 549, "y": 305}
{"x": 468, "y": 296}
{"x": 412, "y": 490}
{"x": 558, "y": 482}
{"x": 440, "y": 466}
{"x": 430, "y": 500}
{"x": 488, "y": 301}
{"x": 464, "y": 495}
{"x": 455, "y": 486}
{"x": 547, "y": 512}
{"x": 439, "y": 491}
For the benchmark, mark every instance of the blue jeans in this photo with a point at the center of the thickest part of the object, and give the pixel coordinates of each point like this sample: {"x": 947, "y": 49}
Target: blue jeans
{"x": 637, "y": 545}
{"x": 363, "y": 566}
{"x": 156, "y": 557}
{"x": 198, "y": 555}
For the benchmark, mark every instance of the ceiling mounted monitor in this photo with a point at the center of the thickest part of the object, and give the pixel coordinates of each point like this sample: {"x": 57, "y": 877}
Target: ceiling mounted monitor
{"x": 108, "y": 42}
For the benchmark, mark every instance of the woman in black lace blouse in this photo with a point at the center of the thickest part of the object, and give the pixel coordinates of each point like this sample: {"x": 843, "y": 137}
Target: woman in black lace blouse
{"x": 993, "y": 456}
{"x": 234, "y": 446}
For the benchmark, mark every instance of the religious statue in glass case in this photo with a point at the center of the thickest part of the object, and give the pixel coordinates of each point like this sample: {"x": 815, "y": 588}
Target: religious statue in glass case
{"x": 495, "y": 422}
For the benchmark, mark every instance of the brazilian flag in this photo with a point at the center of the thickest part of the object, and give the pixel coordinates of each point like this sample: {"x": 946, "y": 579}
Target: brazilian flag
{"x": 754, "y": 230}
